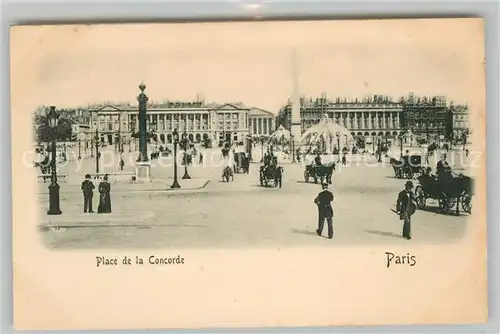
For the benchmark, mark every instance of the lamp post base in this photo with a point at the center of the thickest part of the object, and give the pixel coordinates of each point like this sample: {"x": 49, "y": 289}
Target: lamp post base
{"x": 175, "y": 185}
{"x": 54, "y": 208}
{"x": 142, "y": 171}
{"x": 186, "y": 176}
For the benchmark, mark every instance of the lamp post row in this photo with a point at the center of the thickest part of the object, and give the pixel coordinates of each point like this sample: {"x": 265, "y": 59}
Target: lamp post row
{"x": 53, "y": 121}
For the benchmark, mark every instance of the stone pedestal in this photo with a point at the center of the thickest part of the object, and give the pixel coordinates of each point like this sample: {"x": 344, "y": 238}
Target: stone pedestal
{"x": 143, "y": 171}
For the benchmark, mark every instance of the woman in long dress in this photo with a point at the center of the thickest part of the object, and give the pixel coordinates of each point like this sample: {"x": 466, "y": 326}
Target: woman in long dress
{"x": 104, "y": 196}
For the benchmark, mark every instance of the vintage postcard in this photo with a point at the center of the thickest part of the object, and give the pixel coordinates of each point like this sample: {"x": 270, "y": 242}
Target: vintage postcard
{"x": 197, "y": 175}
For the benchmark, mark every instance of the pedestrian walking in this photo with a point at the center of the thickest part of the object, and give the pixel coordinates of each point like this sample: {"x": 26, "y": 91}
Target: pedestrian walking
{"x": 122, "y": 163}
{"x": 88, "y": 193}
{"x": 344, "y": 159}
{"x": 406, "y": 207}
{"x": 104, "y": 196}
{"x": 324, "y": 202}
{"x": 201, "y": 158}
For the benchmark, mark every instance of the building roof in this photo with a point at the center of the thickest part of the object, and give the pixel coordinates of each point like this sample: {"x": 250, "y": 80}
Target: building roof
{"x": 230, "y": 106}
{"x": 172, "y": 105}
{"x": 258, "y": 112}
{"x": 107, "y": 107}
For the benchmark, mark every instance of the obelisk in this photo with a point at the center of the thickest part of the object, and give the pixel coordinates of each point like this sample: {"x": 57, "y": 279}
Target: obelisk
{"x": 295, "y": 128}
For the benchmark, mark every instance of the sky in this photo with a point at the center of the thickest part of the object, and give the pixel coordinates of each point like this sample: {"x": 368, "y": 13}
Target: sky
{"x": 250, "y": 62}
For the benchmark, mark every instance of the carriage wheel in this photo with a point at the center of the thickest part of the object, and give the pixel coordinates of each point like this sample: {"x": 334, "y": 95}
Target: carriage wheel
{"x": 443, "y": 205}
{"x": 420, "y": 197}
{"x": 306, "y": 176}
{"x": 446, "y": 203}
{"x": 467, "y": 203}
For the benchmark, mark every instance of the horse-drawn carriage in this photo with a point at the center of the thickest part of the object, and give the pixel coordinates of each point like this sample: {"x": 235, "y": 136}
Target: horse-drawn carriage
{"x": 447, "y": 191}
{"x": 322, "y": 172}
{"x": 407, "y": 167}
{"x": 271, "y": 173}
{"x": 241, "y": 163}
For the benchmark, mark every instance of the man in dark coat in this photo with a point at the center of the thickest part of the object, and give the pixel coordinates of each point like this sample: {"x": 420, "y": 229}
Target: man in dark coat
{"x": 443, "y": 171}
{"x": 405, "y": 206}
{"x": 88, "y": 193}
{"x": 324, "y": 202}
{"x": 317, "y": 160}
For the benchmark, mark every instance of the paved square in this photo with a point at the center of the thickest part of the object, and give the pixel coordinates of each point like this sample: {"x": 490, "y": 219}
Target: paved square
{"x": 244, "y": 214}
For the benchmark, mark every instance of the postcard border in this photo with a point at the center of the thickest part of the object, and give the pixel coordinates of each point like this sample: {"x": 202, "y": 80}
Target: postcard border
{"x": 41, "y": 11}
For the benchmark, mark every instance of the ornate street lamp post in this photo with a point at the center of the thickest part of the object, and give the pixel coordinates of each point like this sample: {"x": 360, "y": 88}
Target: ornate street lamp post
{"x": 54, "y": 209}
{"x": 186, "y": 141}
{"x": 338, "y": 146}
{"x": 261, "y": 148}
{"x": 401, "y": 143}
{"x": 79, "y": 149}
{"x": 379, "y": 148}
{"x": 96, "y": 138}
{"x": 176, "y": 141}
{"x": 293, "y": 147}
{"x": 154, "y": 126}
{"x": 91, "y": 145}
{"x": 132, "y": 139}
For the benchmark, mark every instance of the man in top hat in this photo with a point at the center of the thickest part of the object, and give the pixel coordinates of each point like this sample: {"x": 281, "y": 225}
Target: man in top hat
{"x": 324, "y": 202}
{"x": 406, "y": 207}
{"x": 88, "y": 192}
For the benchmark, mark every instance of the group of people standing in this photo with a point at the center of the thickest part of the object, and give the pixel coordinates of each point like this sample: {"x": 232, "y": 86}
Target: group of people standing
{"x": 104, "y": 195}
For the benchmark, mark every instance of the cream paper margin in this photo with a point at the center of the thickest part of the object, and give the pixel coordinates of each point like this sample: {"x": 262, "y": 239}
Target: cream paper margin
{"x": 254, "y": 287}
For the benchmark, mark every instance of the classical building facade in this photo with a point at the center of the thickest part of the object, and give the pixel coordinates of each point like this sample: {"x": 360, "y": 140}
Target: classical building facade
{"x": 426, "y": 116}
{"x": 380, "y": 115}
{"x": 261, "y": 122}
{"x": 372, "y": 116}
{"x": 460, "y": 120}
{"x": 218, "y": 122}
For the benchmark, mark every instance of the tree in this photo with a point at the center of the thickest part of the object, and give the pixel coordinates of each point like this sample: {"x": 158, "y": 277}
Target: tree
{"x": 43, "y": 133}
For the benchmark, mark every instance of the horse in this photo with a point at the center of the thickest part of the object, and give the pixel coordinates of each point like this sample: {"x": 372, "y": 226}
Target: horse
{"x": 271, "y": 172}
{"x": 324, "y": 172}
{"x": 43, "y": 165}
{"x": 397, "y": 165}
{"x": 227, "y": 173}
